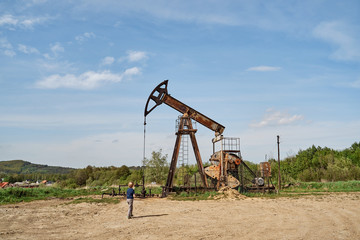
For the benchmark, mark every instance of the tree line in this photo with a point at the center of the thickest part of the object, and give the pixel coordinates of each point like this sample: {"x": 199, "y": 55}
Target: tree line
{"x": 320, "y": 164}
{"x": 312, "y": 164}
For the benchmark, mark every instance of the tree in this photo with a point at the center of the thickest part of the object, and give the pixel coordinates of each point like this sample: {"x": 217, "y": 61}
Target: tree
{"x": 157, "y": 167}
{"x": 123, "y": 172}
{"x": 80, "y": 177}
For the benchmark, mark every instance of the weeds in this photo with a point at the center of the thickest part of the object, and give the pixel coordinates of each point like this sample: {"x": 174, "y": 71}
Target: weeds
{"x": 341, "y": 186}
{"x": 15, "y": 195}
{"x": 184, "y": 196}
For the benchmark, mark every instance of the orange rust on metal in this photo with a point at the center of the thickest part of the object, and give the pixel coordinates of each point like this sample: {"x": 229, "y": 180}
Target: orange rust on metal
{"x": 160, "y": 95}
{"x": 265, "y": 169}
{"x": 188, "y": 130}
{"x": 232, "y": 181}
{"x": 213, "y": 171}
{"x": 193, "y": 114}
{"x": 197, "y": 154}
{"x": 170, "y": 178}
{"x": 237, "y": 161}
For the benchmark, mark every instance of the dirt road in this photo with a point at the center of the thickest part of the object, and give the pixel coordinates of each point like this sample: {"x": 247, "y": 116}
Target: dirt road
{"x": 331, "y": 216}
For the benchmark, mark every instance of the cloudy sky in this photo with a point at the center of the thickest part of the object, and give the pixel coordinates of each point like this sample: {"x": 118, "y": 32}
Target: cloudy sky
{"x": 75, "y": 76}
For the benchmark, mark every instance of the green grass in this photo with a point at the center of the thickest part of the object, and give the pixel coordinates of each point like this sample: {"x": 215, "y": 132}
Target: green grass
{"x": 154, "y": 190}
{"x": 15, "y": 195}
{"x": 311, "y": 188}
{"x": 341, "y": 186}
{"x": 283, "y": 194}
{"x": 295, "y": 191}
{"x": 184, "y": 196}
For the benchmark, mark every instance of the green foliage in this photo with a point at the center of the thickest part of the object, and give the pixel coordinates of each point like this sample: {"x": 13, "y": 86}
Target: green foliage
{"x": 309, "y": 165}
{"x": 13, "y": 166}
{"x": 135, "y": 176}
{"x": 320, "y": 164}
{"x": 15, "y": 195}
{"x": 23, "y": 167}
{"x": 98, "y": 176}
{"x": 157, "y": 167}
{"x": 123, "y": 172}
{"x": 185, "y": 175}
{"x": 340, "y": 186}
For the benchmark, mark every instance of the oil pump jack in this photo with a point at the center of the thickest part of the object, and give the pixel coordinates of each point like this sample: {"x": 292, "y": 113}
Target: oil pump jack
{"x": 223, "y": 170}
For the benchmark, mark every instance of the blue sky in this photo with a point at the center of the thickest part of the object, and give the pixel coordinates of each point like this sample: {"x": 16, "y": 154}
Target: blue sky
{"x": 75, "y": 76}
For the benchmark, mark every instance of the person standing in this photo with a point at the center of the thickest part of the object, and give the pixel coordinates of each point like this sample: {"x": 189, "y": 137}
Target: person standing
{"x": 130, "y": 199}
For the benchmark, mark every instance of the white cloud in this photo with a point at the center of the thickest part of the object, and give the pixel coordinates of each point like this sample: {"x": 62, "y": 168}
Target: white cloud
{"x": 24, "y": 22}
{"x": 135, "y": 56}
{"x": 277, "y": 118}
{"x": 28, "y": 23}
{"x": 27, "y": 49}
{"x": 6, "y": 47}
{"x": 132, "y": 71}
{"x": 56, "y": 48}
{"x": 5, "y": 44}
{"x": 108, "y": 61}
{"x": 8, "y": 20}
{"x": 342, "y": 36}
{"x": 83, "y": 37}
{"x": 85, "y": 81}
{"x": 263, "y": 69}
{"x": 9, "y": 53}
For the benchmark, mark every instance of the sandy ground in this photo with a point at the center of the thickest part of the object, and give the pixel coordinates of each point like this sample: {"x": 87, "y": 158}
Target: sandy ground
{"x": 331, "y": 216}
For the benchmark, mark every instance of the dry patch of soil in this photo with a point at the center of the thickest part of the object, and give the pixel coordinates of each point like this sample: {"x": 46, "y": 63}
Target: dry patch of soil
{"x": 331, "y": 216}
{"x": 229, "y": 194}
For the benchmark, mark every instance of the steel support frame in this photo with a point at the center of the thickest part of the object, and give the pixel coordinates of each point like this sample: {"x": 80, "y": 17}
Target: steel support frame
{"x": 185, "y": 128}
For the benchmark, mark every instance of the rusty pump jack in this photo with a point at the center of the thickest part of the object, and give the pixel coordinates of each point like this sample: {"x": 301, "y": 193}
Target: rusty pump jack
{"x": 224, "y": 168}
{"x": 160, "y": 95}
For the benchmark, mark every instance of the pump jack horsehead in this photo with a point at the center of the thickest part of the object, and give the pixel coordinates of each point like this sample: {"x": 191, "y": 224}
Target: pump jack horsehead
{"x": 223, "y": 170}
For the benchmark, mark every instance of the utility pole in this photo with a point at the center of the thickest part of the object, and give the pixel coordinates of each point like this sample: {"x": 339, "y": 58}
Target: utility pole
{"x": 279, "y": 175}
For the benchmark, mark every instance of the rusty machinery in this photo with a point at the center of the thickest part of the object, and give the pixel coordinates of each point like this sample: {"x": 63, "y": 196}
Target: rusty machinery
{"x": 226, "y": 164}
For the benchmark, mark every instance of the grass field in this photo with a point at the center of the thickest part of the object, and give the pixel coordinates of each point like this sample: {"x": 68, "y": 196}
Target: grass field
{"x": 15, "y": 195}
{"x": 341, "y": 186}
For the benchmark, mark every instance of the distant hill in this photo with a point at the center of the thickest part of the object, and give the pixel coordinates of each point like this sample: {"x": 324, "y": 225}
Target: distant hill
{"x": 23, "y": 167}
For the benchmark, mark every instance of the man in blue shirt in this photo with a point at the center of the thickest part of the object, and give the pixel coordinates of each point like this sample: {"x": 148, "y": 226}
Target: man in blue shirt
{"x": 130, "y": 199}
